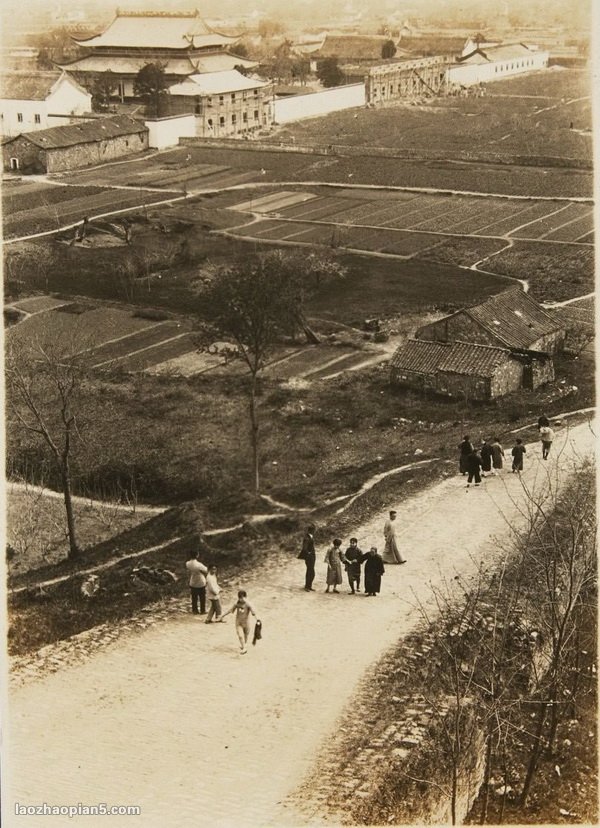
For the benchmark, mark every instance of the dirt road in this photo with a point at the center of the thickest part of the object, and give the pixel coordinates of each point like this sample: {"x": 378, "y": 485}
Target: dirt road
{"x": 175, "y": 720}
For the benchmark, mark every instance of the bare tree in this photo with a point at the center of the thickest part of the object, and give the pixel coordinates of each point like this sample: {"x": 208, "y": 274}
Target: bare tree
{"x": 253, "y": 301}
{"x": 44, "y": 384}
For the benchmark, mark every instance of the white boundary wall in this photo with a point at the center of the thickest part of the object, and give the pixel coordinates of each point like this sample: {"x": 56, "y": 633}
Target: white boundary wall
{"x": 468, "y": 74}
{"x": 297, "y": 107}
{"x": 166, "y": 132}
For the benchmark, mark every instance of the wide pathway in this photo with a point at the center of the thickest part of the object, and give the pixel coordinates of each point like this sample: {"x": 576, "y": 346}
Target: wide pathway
{"x": 175, "y": 720}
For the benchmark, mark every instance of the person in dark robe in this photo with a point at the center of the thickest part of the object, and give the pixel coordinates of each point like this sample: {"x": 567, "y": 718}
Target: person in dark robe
{"x": 309, "y": 555}
{"x": 374, "y": 569}
{"x": 473, "y": 463}
{"x": 517, "y": 454}
{"x": 485, "y": 452}
{"x": 465, "y": 448}
{"x": 353, "y": 557}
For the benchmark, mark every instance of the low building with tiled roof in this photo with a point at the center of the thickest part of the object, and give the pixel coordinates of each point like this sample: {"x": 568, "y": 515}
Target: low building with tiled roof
{"x": 183, "y": 43}
{"x": 39, "y": 100}
{"x": 466, "y": 370}
{"x": 511, "y": 319}
{"x": 77, "y": 145}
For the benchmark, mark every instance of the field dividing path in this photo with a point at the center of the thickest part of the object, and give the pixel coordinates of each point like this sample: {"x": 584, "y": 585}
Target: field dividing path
{"x": 175, "y": 720}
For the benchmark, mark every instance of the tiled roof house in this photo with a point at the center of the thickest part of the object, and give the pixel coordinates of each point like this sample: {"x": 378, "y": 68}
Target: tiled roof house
{"x": 461, "y": 369}
{"x": 511, "y": 319}
{"x": 75, "y": 145}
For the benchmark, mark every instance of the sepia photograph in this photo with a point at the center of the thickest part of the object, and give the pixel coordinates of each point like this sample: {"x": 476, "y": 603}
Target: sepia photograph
{"x": 299, "y": 310}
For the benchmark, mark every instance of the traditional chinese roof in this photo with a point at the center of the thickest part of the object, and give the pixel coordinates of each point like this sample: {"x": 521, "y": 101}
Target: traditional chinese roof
{"x": 185, "y": 66}
{"x": 514, "y": 318}
{"x": 86, "y": 132}
{"x": 36, "y": 86}
{"x": 147, "y": 30}
{"x": 216, "y": 83}
{"x": 352, "y": 47}
{"x": 493, "y": 54}
{"x": 424, "y": 357}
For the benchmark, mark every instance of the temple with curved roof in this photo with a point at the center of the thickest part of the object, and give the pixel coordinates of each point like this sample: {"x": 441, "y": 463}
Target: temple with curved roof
{"x": 183, "y": 43}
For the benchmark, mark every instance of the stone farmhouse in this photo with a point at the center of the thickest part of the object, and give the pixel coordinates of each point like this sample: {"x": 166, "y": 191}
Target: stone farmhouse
{"x": 31, "y": 100}
{"x": 511, "y": 319}
{"x": 77, "y": 145}
{"x": 467, "y": 370}
{"x": 181, "y": 42}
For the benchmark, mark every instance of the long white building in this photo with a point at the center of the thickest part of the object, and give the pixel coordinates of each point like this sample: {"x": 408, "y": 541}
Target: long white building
{"x": 486, "y": 64}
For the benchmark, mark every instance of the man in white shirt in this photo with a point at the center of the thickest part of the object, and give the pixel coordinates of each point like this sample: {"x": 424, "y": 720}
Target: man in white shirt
{"x": 197, "y": 572}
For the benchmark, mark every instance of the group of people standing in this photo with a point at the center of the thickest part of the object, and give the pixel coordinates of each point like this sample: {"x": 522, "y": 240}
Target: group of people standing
{"x": 351, "y": 560}
{"x": 489, "y": 458}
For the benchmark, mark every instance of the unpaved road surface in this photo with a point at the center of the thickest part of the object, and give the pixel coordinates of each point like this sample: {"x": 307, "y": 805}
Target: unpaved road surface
{"x": 175, "y": 720}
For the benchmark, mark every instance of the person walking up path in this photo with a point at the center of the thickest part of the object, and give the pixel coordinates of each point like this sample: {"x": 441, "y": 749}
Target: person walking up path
{"x": 518, "y": 453}
{"x": 546, "y": 436}
{"x": 165, "y": 690}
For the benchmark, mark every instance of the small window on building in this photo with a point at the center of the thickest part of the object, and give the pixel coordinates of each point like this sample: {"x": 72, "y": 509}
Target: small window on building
{"x": 37, "y": 119}
{"x": 256, "y": 93}
{"x": 221, "y": 100}
{"x": 20, "y": 117}
{"x": 233, "y": 118}
{"x": 256, "y": 114}
{"x": 244, "y": 117}
{"x": 14, "y": 163}
{"x": 222, "y": 120}
{"x": 244, "y": 96}
{"x": 210, "y": 122}
{"x": 209, "y": 101}
{"x": 232, "y": 97}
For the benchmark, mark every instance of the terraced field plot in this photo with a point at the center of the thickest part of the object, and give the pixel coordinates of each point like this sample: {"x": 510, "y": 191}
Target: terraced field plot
{"x": 38, "y": 208}
{"x": 410, "y": 224}
{"x": 177, "y": 176}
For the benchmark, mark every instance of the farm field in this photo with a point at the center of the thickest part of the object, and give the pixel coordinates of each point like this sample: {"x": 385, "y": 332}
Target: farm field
{"x": 547, "y": 243}
{"x": 526, "y": 116}
{"x": 49, "y": 207}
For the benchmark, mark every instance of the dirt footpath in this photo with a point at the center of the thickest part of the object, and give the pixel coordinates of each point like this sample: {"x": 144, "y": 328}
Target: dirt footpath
{"x": 175, "y": 720}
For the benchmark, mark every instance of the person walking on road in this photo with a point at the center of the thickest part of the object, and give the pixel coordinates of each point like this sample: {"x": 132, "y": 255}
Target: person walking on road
{"x": 473, "y": 464}
{"x": 391, "y": 553}
{"x": 485, "y": 452}
{"x": 353, "y": 557}
{"x": 374, "y": 569}
{"x": 543, "y": 422}
{"x": 546, "y": 436}
{"x": 465, "y": 448}
{"x": 243, "y": 610}
{"x": 213, "y": 592}
{"x": 309, "y": 556}
{"x": 334, "y": 558}
{"x": 497, "y": 456}
{"x": 197, "y": 572}
{"x": 517, "y": 454}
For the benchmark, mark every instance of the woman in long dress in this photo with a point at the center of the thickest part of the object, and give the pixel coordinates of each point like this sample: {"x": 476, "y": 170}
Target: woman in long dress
{"x": 333, "y": 558}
